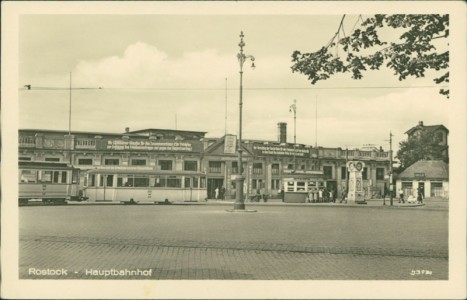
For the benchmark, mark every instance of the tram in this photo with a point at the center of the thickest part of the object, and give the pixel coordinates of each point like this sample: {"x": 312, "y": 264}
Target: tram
{"x": 119, "y": 185}
{"x": 48, "y": 183}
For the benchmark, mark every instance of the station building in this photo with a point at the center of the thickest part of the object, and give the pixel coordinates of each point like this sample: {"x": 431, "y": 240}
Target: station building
{"x": 188, "y": 159}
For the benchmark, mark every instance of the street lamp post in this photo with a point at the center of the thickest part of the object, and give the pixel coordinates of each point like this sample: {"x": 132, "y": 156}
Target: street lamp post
{"x": 239, "y": 202}
{"x": 293, "y": 108}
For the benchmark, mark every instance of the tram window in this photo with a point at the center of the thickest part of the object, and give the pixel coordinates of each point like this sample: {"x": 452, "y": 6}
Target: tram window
{"x": 195, "y": 182}
{"x": 46, "y": 176}
{"x": 203, "y": 183}
{"x": 92, "y": 180}
{"x": 140, "y": 181}
{"x": 187, "y": 182}
{"x": 160, "y": 181}
{"x": 174, "y": 182}
{"x": 24, "y": 158}
{"x": 56, "y": 176}
{"x": 74, "y": 176}
{"x": 28, "y": 176}
{"x": 110, "y": 180}
{"x": 64, "y": 175}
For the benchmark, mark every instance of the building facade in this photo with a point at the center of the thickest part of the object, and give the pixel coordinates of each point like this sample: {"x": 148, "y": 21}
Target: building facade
{"x": 266, "y": 164}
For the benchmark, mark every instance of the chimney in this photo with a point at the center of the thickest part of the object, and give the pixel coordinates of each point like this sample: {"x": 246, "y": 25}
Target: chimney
{"x": 127, "y": 129}
{"x": 282, "y": 132}
{"x": 420, "y": 123}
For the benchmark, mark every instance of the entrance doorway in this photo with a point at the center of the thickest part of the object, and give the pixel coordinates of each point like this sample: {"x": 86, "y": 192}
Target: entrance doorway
{"x": 421, "y": 186}
{"x": 214, "y": 183}
{"x": 331, "y": 185}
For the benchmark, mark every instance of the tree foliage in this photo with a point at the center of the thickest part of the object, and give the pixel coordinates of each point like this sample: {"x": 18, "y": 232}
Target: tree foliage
{"x": 424, "y": 146}
{"x": 413, "y": 55}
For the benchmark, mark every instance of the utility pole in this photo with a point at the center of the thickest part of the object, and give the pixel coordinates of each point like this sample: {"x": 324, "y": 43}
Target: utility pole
{"x": 391, "y": 187}
{"x": 225, "y": 125}
{"x": 69, "y": 128}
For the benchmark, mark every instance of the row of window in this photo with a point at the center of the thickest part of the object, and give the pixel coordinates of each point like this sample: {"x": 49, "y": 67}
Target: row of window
{"x": 164, "y": 181}
{"x": 43, "y": 176}
{"x": 327, "y": 171}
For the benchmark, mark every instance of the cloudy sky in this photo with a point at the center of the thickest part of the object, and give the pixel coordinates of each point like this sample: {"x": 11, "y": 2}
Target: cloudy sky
{"x": 169, "y": 71}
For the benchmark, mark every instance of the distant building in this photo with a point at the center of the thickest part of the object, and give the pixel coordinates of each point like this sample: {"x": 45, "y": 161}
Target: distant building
{"x": 186, "y": 160}
{"x": 430, "y": 175}
{"x": 440, "y": 132}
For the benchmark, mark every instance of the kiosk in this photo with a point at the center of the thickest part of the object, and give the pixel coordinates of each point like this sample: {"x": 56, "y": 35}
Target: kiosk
{"x": 298, "y": 186}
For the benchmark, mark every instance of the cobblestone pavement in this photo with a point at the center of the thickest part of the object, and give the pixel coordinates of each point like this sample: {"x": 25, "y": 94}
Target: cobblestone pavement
{"x": 206, "y": 242}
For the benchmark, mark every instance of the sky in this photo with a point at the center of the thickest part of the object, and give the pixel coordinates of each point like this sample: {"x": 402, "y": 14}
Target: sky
{"x": 181, "y": 72}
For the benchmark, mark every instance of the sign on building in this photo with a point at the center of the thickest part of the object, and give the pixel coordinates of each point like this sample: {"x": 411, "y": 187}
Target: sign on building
{"x": 230, "y": 142}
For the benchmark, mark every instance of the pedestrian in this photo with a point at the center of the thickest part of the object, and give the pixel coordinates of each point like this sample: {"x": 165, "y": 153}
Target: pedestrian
{"x": 401, "y": 196}
{"x": 282, "y": 194}
{"x": 419, "y": 196}
{"x": 331, "y": 198}
{"x": 223, "y": 193}
{"x": 320, "y": 195}
{"x": 216, "y": 191}
{"x": 344, "y": 194}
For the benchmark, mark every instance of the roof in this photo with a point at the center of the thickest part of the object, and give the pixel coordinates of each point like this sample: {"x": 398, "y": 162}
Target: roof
{"x": 430, "y": 128}
{"x": 65, "y": 132}
{"x": 165, "y": 130}
{"x": 432, "y": 169}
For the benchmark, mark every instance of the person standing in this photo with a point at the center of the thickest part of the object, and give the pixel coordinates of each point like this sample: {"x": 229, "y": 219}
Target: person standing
{"x": 216, "y": 191}
{"x": 401, "y": 196}
{"x": 223, "y": 193}
{"x": 320, "y": 195}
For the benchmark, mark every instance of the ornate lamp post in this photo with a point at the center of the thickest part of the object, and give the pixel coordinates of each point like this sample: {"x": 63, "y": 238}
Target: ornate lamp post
{"x": 239, "y": 202}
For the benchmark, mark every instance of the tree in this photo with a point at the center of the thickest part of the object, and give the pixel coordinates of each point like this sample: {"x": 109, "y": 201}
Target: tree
{"x": 424, "y": 146}
{"x": 365, "y": 50}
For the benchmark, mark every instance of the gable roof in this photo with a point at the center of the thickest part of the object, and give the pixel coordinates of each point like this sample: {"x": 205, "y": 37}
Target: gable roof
{"x": 430, "y": 128}
{"x": 433, "y": 169}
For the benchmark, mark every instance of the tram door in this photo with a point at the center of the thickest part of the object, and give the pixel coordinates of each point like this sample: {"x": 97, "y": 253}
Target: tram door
{"x": 214, "y": 183}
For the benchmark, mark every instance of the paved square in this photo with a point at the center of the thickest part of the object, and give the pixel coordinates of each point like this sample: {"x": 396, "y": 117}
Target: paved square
{"x": 206, "y": 242}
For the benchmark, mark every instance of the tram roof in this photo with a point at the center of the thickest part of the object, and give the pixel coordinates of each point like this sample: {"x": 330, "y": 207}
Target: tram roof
{"x": 130, "y": 171}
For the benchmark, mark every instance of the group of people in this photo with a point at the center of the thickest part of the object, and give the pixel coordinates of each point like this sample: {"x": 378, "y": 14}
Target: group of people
{"x": 322, "y": 195}
{"x": 219, "y": 194}
{"x": 419, "y": 193}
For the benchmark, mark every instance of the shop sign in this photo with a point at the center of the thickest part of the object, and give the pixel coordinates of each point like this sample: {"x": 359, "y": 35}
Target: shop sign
{"x": 230, "y": 142}
{"x": 147, "y": 145}
{"x": 280, "y": 151}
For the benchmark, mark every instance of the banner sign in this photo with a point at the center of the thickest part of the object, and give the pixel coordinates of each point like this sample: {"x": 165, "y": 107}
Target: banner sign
{"x": 230, "y": 142}
{"x": 148, "y": 145}
{"x": 280, "y": 151}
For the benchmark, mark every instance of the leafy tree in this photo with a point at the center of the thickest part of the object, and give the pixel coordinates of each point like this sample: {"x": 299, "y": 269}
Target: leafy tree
{"x": 411, "y": 57}
{"x": 424, "y": 146}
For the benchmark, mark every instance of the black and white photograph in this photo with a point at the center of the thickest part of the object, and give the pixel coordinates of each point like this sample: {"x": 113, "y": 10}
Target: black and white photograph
{"x": 232, "y": 150}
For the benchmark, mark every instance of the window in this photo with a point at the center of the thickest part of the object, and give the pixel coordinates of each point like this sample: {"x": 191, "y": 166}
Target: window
{"x": 52, "y": 159}
{"x": 379, "y": 173}
{"x": 111, "y": 162}
{"x": 203, "y": 182}
{"x": 275, "y": 169}
{"x": 215, "y": 166}
{"x": 140, "y": 181}
{"x": 302, "y": 167}
{"x": 108, "y": 179}
{"x": 187, "y": 182}
{"x": 365, "y": 173}
{"x": 257, "y": 183}
{"x": 160, "y": 181}
{"x": 27, "y": 140}
{"x": 92, "y": 180}
{"x": 235, "y": 167}
{"x": 190, "y": 165}
{"x": 173, "y": 181}
{"x": 195, "y": 182}
{"x": 275, "y": 184}
{"x": 45, "y": 176}
{"x": 165, "y": 165}
{"x": 24, "y": 158}
{"x": 290, "y": 166}
{"x": 138, "y": 162}
{"x": 327, "y": 170}
{"x": 257, "y": 168}
{"x": 28, "y": 176}
{"x": 85, "y": 161}
{"x": 343, "y": 172}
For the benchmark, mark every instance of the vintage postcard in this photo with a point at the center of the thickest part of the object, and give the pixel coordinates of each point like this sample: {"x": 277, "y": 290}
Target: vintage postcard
{"x": 228, "y": 150}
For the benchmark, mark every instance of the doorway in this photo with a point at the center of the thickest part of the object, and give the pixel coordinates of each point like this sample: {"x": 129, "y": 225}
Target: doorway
{"x": 214, "y": 183}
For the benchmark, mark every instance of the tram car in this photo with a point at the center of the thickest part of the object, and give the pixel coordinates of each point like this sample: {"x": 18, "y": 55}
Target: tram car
{"x": 145, "y": 186}
{"x": 48, "y": 183}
